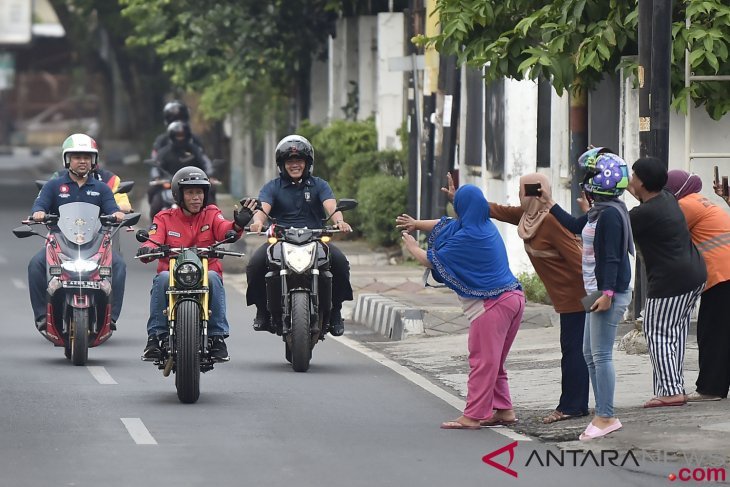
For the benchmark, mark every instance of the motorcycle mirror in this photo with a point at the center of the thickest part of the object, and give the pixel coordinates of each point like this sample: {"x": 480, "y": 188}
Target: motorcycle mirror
{"x": 142, "y": 236}
{"x": 124, "y": 187}
{"x": 346, "y": 204}
{"x": 231, "y": 236}
{"x": 131, "y": 219}
{"x": 24, "y": 231}
{"x": 40, "y": 183}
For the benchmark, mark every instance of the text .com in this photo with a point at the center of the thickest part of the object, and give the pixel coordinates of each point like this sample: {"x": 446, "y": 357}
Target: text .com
{"x": 706, "y": 474}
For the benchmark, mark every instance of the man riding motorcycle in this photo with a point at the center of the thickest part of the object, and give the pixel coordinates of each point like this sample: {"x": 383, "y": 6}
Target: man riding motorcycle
{"x": 80, "y": 156}
{"x": 180, "y": 152}
{"x": 297, "y": 199}
{"x": 173, "y": 110}
{"x": 195, "y": 223}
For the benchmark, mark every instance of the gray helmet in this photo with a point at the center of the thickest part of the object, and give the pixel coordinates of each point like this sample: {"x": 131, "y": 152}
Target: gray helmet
{"x": 175, "y": 110}
{"x": 189, "y": 177}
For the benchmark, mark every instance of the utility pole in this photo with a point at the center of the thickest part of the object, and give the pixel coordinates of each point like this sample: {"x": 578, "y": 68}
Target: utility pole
{"x": 655, "y": 54}
{"x": 450, "y": 88}
{"x": 661, "y": 59}
{"x": 578, "y": 121}
{"x": 414, "y": 139}
{"x": 646, "y": 141}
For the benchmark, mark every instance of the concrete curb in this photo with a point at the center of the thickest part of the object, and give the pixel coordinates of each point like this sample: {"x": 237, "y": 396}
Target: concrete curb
{"x": 388, "y": 317}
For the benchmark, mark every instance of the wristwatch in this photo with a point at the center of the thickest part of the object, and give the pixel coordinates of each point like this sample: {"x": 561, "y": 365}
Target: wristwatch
{"x": 608, "y": 293}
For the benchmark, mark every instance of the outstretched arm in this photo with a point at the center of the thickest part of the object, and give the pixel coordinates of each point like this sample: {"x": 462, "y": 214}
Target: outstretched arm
{"x": 410, "y": 224}
{"x": 417, "y": 252}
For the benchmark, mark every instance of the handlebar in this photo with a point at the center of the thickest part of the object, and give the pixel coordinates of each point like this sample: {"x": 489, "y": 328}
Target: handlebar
{"x": 209, "y": 252}
{"x": 316, "y": 231}
{"x": 49, "y": 219}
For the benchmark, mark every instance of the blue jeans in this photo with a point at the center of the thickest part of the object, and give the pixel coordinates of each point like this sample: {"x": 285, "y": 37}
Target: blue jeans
{"x": 38, "y": 284}
{"x": 157, "y": 322}
{"x": 598, "y": 339}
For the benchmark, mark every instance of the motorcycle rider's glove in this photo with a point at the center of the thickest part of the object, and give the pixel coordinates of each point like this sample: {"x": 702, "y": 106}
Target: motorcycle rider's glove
{"x": 242, "y": 217}
{"x": 143, "y": 251}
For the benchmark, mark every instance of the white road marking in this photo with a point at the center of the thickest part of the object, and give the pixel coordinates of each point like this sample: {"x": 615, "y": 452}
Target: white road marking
{"x": 18, "y": 283}
{"x": 100, "y": 374}
{"x": 138, "y": 431}
{"x": 455, "y": 401}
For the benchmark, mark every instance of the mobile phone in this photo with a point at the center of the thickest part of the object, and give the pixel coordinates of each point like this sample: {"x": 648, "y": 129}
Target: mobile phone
{"x": 590, "y": 300}
{"x": 725, "y": 191}
{"x": 532, "y": 189}
{"x": 717, "y": 176}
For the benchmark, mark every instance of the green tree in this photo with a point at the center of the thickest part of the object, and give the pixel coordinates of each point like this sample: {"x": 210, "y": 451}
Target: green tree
{"x": 97, "y": 32}
{"x": 235, "y": 52}
{"x": 574, "y": 42}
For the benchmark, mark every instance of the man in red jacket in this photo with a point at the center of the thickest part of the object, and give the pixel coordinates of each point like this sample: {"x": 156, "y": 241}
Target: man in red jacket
{"x": 194, "y": 224}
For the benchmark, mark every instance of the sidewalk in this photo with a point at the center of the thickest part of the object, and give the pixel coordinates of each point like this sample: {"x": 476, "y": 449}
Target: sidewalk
{"x": 439, "y": 352}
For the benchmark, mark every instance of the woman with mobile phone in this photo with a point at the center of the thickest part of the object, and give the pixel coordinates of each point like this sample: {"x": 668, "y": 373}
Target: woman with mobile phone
{"x": 709, "y": 227}
{"x": 607, "y": 243}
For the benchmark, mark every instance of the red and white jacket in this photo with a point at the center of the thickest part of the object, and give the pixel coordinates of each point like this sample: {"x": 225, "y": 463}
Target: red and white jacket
{"x": 174, "y": 228}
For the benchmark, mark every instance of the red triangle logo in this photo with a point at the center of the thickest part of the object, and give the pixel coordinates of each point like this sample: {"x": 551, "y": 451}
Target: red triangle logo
{"x": 508, "y": 448}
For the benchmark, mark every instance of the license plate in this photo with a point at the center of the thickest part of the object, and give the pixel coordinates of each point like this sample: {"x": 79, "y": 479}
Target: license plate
{"x": 82, "y": 284}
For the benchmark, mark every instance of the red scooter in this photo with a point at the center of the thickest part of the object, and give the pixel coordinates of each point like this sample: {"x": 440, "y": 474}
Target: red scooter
{"x": 79, "y": 266}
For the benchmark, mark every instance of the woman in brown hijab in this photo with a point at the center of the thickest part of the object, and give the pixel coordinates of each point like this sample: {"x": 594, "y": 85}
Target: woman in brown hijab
{"x": 555, "y": 254}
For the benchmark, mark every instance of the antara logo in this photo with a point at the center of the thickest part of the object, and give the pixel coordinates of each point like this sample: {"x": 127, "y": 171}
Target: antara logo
{"x": 562, "y": 458}
{"x": 508, "y": 448}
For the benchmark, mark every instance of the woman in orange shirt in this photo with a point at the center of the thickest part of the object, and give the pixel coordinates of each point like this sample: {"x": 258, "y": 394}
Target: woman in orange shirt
{"x": 709, "y": 226}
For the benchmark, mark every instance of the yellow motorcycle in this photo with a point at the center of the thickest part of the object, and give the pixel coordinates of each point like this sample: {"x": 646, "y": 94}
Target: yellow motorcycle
{"x": 187, "y": 352}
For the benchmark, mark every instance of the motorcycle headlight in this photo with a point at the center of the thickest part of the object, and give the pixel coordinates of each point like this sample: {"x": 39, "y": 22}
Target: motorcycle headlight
{"x": 299, "y": 258}
{"x": 187, "y": 274}
{"x": 79, "y": 265}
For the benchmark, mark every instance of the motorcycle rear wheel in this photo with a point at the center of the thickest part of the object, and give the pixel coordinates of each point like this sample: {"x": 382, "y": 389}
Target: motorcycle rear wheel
{"x": 187, "y": 340}
{"x": 79, "y": 336}
{"x": 299, "y": 338}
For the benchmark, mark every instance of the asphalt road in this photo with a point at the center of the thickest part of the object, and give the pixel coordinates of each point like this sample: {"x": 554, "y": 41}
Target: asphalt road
{"x": 117, "y": 422}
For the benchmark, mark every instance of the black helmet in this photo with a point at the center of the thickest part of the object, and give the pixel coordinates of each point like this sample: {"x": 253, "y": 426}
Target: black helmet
{"x": 189, "y": 177}
{"x": 291, "y": 147}
{"x": 178, "y": 127}
{"x": 175, "y": 110}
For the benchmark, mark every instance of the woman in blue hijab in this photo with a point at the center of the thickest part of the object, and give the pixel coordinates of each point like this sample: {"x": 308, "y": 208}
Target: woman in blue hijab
{"x": 468, "y": 255}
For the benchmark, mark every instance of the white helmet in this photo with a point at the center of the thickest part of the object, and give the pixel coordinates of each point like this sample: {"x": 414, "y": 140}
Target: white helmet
{"x": 77, "y": 143}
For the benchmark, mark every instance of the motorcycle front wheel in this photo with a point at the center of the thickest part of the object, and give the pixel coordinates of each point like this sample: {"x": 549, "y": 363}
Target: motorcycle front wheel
{"x": 299, "y": 338}
{"x": 79, "y": 336}
{"x": 187, "y": 340}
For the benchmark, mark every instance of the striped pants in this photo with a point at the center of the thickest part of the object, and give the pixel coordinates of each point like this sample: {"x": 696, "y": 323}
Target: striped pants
{"x": 666, "y": 323}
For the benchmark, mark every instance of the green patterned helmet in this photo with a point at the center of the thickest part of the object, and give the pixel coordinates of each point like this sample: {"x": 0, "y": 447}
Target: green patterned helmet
{"x": 606, "y": 174}
{"x": 79, "y": 143}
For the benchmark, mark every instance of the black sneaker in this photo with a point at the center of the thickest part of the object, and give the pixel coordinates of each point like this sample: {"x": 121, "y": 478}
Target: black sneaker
{"x": 218, "y": 349}
{"x": 337, "y": 324}
{"x": 113, "y": 326}
{"x": 152, "y": 349}
{"x": 41, "y": 324}
{"x": 262, "y": 322}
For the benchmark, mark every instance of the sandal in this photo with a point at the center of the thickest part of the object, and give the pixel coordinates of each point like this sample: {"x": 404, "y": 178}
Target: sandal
{"x": 556, "y": 416}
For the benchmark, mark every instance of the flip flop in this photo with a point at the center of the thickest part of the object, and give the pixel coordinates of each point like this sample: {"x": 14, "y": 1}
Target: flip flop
{"x": 699, "y": 397}
{"x": 658, "y": 402}
{"x": 592, "y": 432}
{"x": 556, "y": 416}
{"x": 491, "y": 422}
{"x": 455, "y": 425}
